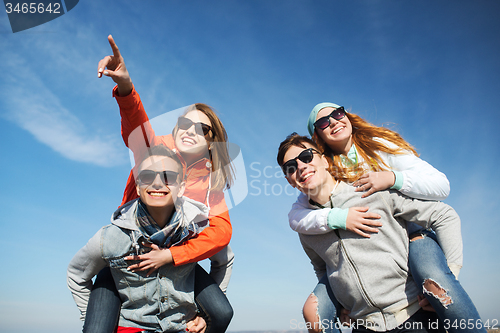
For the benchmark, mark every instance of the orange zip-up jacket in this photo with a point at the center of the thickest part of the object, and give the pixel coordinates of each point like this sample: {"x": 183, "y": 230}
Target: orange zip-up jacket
{"x": 218, "y": 234}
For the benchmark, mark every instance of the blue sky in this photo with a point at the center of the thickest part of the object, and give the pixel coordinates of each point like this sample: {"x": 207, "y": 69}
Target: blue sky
{"x": 428, "y": 69}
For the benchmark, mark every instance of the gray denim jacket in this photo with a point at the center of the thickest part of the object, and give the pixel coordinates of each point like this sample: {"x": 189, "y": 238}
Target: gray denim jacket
{"x": 162, "y": 302}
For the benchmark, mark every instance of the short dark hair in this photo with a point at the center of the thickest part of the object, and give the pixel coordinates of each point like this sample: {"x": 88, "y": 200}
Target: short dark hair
{"x": 161, "y": 150}
{"x": 293, "y": 140}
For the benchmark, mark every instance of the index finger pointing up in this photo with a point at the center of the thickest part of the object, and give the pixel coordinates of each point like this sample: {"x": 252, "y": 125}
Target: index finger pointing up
{"x": 116, "y": 51}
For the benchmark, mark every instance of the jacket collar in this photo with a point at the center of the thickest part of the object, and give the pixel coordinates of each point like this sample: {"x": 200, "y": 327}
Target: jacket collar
{"x": 193, "y": 212}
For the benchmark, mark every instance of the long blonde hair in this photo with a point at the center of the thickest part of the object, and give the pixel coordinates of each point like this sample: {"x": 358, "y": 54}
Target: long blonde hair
{"x": 363, "y": 137}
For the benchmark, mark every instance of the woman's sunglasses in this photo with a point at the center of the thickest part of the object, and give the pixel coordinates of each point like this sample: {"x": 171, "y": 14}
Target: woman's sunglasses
{"x": 200, "y": 128}
{"x": 324, "y": 122}
{"x": 147, "y": 177}
{"x": 306, "y": 156}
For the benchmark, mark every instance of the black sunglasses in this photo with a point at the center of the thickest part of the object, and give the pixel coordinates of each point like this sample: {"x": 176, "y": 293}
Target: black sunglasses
{"x": 147, "y": 177}
{"x": 200, "y": 128}
{"x": 306, "y": 156}
{"x": 324, "y": 122}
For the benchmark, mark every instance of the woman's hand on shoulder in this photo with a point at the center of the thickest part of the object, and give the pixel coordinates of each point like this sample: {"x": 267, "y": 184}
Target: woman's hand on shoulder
{"x": 114, "y": 67}
{"x": 374, "y": 181}
{"x": 361, "y": 222}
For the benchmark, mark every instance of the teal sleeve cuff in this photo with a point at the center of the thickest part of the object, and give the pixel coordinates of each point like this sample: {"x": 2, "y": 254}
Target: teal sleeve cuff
{"x": 398, "y": 183}
{"x": 337, "y": 218}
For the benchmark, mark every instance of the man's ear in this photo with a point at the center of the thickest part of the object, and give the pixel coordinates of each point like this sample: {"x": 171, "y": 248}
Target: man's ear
{"x": 137, "y": 188}
{"x": 325, "y": 161}
{"x": 182, "y": 187}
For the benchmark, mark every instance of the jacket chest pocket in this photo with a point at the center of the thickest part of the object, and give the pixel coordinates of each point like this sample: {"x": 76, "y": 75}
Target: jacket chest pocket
{"x": 124, "y": 276}
{"x": 118, "y": 253}
{"x": 118, "y": 263}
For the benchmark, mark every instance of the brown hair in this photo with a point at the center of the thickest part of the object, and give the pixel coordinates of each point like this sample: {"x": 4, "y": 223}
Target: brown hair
{"x": 161, "y": 150}
{"x": 222, "y": 168}
{"x": 340, "y": 173}
{"x": 293, "y": 140}
{"x": 363, "y": 137}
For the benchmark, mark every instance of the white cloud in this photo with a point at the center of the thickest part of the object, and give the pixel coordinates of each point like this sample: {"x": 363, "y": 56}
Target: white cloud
{"x": 31, "y": 104}
{"x": 49, "y": 122}
{"x": 63, "y": 132}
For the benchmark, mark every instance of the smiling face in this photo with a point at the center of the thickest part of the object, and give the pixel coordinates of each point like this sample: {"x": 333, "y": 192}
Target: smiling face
{"x": 338, "y": 136}
{"x": 157, "y": 194}
{"x": 190, "y": 142}
{"x": 309, "y": 178}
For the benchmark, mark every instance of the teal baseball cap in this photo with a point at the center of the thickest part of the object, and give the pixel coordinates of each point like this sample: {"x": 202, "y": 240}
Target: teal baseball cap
{"x": 314, "y": 114}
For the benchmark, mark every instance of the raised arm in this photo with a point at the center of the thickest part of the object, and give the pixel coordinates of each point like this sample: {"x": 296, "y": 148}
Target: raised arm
{"x": 114, "y": 67}
{"x": 136, "y": 129}
{"x": 213, "y": 238}
{"x": 137, "y": 134}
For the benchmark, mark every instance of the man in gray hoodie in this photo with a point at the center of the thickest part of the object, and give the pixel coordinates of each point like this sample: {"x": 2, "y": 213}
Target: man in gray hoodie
{"x": 160, "y": 300}
{"x": 369, "y": 276}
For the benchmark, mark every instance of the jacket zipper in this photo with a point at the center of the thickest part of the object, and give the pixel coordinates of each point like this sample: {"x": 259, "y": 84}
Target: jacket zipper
{"x": 363, "y": 290}
{"x": 351, "y": 262}
{"x": 135, "y": 242}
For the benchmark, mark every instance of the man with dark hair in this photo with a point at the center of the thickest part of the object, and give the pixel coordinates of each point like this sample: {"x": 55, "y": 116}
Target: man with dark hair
{"x": 162, "y": 299}
{"x": 369, "y": 276}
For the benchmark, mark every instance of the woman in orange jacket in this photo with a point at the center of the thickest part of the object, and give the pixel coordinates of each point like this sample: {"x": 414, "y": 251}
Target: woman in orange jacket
{"x": 201, "y": 140}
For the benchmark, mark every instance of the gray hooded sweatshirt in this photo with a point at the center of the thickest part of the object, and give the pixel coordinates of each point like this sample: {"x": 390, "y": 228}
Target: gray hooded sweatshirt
{"x": 370, "y": 276}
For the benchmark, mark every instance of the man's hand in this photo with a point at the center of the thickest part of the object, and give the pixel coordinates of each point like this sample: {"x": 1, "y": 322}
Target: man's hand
{"x": 114, "y": 67}
{"x": 197, "y": 325}
{"x": 152, "y": 260}
{"x": 360, "y": 221}
{"x": 374, "y": 181}
{"x": 424, "y": 303}
{"x": 344, "y": 318}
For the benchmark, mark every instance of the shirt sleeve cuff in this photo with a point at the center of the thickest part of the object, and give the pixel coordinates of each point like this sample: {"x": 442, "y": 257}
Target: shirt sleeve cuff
{"x": 398, "y": 183}
{"x": 117, "y": 95}
{"x": 178, "y": 255}
{"x": 337, "y": 218}
{"x": 455, "y": 269}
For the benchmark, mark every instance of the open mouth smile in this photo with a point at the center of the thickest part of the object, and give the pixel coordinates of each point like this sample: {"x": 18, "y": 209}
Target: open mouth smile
{"x": 188, "y": 141}
{"x": 157, "y": 194}
{"x": 336, "y": 130}
{"x": 305, "y": 177}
